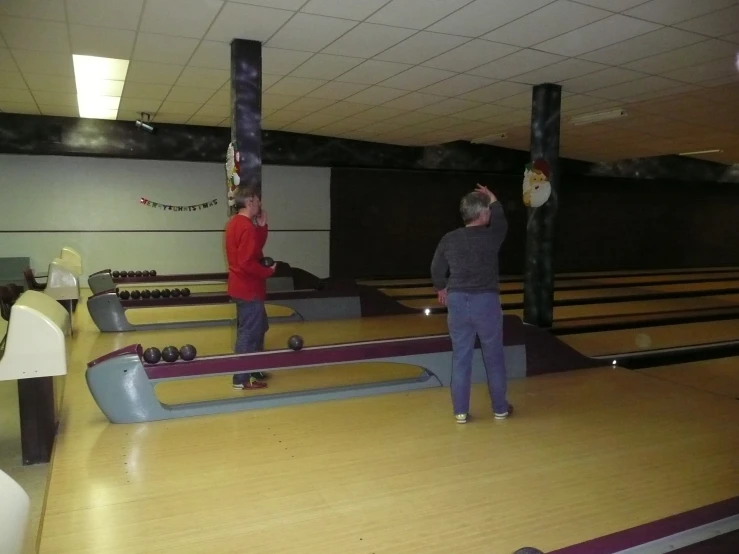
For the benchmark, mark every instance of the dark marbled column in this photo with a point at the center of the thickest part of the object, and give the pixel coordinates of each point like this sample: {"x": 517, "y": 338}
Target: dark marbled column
{"x": 246, "y": 107}
{"x": 539, "y": 263}
{"x": 38, "y": 419}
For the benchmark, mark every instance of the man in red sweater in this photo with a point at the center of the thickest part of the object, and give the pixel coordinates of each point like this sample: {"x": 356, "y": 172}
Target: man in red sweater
{"x": 246, "y": 234}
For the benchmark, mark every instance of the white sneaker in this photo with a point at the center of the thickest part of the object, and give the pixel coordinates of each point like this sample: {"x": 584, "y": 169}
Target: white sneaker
{"x": 506, "y": 414}
{"x": 461, "y": 418}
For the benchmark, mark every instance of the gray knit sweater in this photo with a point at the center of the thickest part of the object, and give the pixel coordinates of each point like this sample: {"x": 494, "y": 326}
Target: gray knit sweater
{"x": 466, "y": 259}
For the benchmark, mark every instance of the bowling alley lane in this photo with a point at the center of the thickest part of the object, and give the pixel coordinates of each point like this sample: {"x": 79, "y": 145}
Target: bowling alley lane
{"x": 719, "y": 376}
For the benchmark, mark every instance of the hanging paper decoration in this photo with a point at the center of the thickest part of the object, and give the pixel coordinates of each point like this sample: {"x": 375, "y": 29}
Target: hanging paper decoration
{"x": 171, "y": 208}
{"x": 536, "y": 185}
{"x": 232, "y": 171}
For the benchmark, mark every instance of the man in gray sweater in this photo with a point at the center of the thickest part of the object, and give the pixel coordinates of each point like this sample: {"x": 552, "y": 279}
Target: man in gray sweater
{"x": 464, "y": 273}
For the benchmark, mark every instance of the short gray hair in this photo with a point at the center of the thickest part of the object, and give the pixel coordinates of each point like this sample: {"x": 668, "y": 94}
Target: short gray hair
{"x": 472, "y": 206}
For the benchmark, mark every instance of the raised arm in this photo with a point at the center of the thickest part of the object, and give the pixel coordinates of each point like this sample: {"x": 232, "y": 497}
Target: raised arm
{"x": 498, "y": 223}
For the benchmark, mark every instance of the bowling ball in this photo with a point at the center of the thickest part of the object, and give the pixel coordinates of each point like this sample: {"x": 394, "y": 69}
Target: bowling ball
{"x": 528, "y": 550}
{"x": 166, "y": 293}
{"x": 146, "y": 273}
{"x": 145, "y": 294}
{"x": 153, "y": 273}
{"x": 185, "y": 292}
{"x": 170, "y": 354}
{"x": 175, "y": 292}
{"x": 135, "y": 294}
{"x": 138, "y": 274}
{"x": 116, "y": 274}
{"x": 188, "y": 352}
{"x": 267, "y": 261}
{"x": 295, "y": 342}
{"x": 125, "y": 295}
{"x": 152, "y": 355}
{"x": 131, "y": 273}
{"x": 155, "y": 293}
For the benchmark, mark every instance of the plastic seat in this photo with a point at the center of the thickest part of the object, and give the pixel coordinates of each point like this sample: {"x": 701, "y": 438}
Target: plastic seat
{"x": 14, "y": 512}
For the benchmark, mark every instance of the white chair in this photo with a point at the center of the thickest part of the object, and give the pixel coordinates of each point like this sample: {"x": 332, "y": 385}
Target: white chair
{"x": 15, "y": 506}
{"x": 72, "y": 259}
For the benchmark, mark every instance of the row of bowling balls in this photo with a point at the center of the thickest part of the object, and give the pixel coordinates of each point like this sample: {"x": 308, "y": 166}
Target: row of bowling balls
{"x": 153, "y": 355}
{"x": 145, "y": 273}
{"x": 156, "y": 293}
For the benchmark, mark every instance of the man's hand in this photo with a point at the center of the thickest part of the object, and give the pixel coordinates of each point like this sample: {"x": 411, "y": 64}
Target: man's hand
{"x": 441, "y": 295}
{"x": 262, "y": 218}
{"x": 484, "y": 190}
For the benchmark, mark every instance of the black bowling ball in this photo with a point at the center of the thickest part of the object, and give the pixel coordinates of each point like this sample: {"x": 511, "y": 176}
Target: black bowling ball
{"x": 175, "y": 292}
{"x": 116, "y": 274}
{"x": 170, "y": 354}
{"x": 528, "y": 550}
{"x": 145, "y": 294}
{"x": 135, "y": 294}
{"x": 145, "y": 273}
{"x": 185, "y": 292}
{"x": 166, "y": 293}
{"x": 267, "y": 261}
{"x": 155, "y": 293}
{"x": 152, "y": 355}
{"x": 138, "y": 274}
{"x": 131, "y": 273}
{"x": 188, "y": 352}
{"x": 295, "y": 342}
{"x": 125, "y": 295}
{"x": 153, "y": 273}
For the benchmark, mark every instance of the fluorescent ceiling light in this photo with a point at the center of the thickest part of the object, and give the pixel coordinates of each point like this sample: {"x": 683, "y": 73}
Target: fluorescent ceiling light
{"x": 598, "y": 116}
{"x": 700, "y": 152}
{"x": 99, "y": 84}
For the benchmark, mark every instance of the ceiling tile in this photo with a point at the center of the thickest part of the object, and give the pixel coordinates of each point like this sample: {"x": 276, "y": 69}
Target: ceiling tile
{"x": 379, "y": 113}
{"x": 179, "y": 108}
{"x": 441, "y": 123}
{"x": 34, "y": 9}
{"x": 415, "y": 14}
{"x": 367, "y": 40}
{"x": 106, "y": 13}
{"x": 517, "y": 63}
{"x": 550, "y": 21}
{"x": 98, "y": 41}
{"x": 277, "y": 61}
{"x": 459, "y": 84}
{"x": 602, "y": 33}
{"x": 163, "y": 49}
{"x": 416, "y": 78}
{"x": 222, "y": 97}
{"x": 188, "y": 94}
{"x": 470, "y": 55}
{"x": 482, "y": 16}
{"x": 50, "y": 83}
{"x": 286, "y": 116}
{"x": 139, "y": 105}
{"x": 126, "y": 115}
{"x": 345, "y": 125}
{"x": 703, "y": 72}
{"x": 205, "y": 120}
{"x": 202, "y": 77}
{"x": 181, "y": 18}
{"x": 421, "y": 47}
{"x": 267, "y": 81}
{"x": 344, "y": 109}
{"x": 375, "y": 95}
{"x": 154, "y": 73}
{"x": 59, "y": 111}
{"x": 277, "y": 101}
{"x": 518, "y": 101}
{"x": 312, "y": 33}
{"x": 325, "y": 66}
{"x": 412, "y": 118}
{"x": 714, "y": 24}
{"x": 684, "y": 57}
{"x": 319, "y": 119}
{"x": 345, "y": 9}
{"x": 212, "y": 111}
{"x": 448, "y": 106}
{"x": 145, "y": 91}
{"x": 577, "y": 101}
{"x": 216, "y": 55}
{"x": 663, "y": 93}
{"x": 600, "y": 79}
{"x": 310, "y": 105}
{"x": 651, "y": 44}
{"x": 7, "y": 63}
{"x": 162, "y": 117}
{"x": 296, "y": 86}
{"x": 481, "y": 112}
{"x": 12, "y": 79}
{"x": 44, "y": 97}
{"x": 47, "y": 63}
{"x": 247, "y": 22}
{"x": 733, "y": 37}
{"x": 35, "y": 34}
{"x": 669, "y": 12}
{"x": 558, "y": 72}
{"x": 633, "y": 88}
{"x": 281, "y": 4}
{"x": 413, "y": 101}
{"x": 496, "y": 91}
{"x": 372, "y": 72}
{"x": 18, "y": 107}
{"x": 336, "y": 90}
{"x": 516, "y": 117}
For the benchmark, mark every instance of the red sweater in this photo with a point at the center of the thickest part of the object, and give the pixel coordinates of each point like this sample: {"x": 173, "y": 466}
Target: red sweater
{"x": 247, "y": 278}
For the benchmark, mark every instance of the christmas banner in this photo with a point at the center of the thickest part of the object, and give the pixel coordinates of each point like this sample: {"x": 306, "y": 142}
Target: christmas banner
{"x": 171, "y": 208}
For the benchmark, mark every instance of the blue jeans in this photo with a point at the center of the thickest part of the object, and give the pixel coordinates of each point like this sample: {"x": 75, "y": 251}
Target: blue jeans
{"x": 251, "y": 326}
{"x": 472, "y": 315}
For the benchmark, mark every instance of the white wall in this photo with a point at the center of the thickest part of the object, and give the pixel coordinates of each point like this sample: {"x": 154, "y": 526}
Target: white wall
{"x": 92, "y": 205}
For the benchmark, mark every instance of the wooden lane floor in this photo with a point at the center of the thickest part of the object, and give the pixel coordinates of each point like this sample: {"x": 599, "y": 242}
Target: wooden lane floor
{"x": 719, "y": 376}
{"x": 386, "y": 474}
